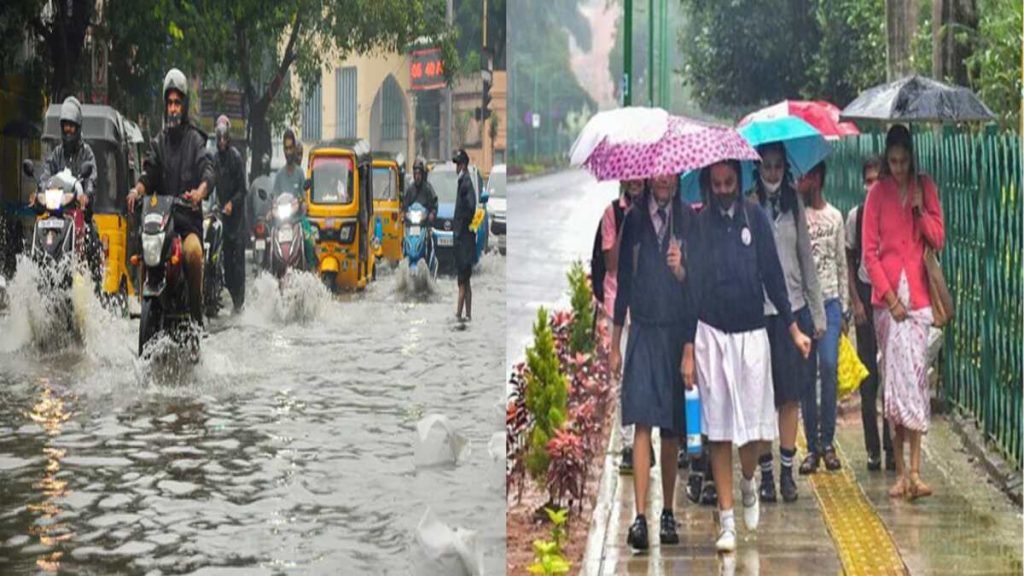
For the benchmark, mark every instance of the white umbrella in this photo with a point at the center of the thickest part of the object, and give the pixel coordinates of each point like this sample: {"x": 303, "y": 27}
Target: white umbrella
{"x": 635, "y": 124}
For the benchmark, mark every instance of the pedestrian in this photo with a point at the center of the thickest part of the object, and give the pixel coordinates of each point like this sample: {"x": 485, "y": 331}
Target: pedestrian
{"x": 733, "y": 264}
{"x": 791, "y": 373}
{"x": 864, "y": 324}
{"x": 828, "y": 247}
{"x": 465, "y": 238}
{"x": 231, "y": 199}
{"x": 651, "y": 290}
{"x": 611, "y": 226}
{"x": 902, "y": 218}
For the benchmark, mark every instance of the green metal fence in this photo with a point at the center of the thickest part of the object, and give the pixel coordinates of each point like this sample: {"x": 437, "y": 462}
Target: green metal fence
{"x": 979, "y": 181}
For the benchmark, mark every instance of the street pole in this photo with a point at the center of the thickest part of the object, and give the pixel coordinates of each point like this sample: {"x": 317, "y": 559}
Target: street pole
{"x": 627, "y": 55}
{"x": 448, "y": 95}
{"x": 663, "y": 83}
{"x": 650, "y": 53}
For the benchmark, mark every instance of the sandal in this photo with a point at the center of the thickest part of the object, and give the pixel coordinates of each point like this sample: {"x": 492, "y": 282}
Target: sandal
{"x": 832, "y": 462}
{"x": 810, "y": 464}
{"x": 899, "y": 489}
{"x": 918, "y": 489}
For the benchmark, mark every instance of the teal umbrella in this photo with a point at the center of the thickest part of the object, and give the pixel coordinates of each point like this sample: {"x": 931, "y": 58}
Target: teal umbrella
{"x": 805, "y": 146}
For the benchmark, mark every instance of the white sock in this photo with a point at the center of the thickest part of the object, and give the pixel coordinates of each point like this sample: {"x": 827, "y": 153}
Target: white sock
{"x": 728, "y": 520}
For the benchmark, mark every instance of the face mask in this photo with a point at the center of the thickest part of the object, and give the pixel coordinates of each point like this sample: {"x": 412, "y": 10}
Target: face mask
{"x": 725, "y": 201}
{"x": 70, "y": 141}
{"x": 771, "y": 188}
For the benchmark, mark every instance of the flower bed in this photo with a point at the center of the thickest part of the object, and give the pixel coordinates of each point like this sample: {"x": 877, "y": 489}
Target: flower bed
{"x": 555, "y": 443}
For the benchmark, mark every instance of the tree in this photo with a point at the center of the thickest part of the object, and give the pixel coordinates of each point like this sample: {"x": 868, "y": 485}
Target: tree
{"x": 900, "y": 24}
{"x": 547, "y": 396}
{"x": 61, "y": 32}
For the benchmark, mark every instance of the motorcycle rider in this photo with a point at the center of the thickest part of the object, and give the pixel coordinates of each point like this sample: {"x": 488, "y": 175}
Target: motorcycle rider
{"x": 231, "y": 198}
{"x": 292, "y": 180}
{"x": 178, "y": 163}
{"x": 420, "y": 191}
{"x": 73, "y": 153}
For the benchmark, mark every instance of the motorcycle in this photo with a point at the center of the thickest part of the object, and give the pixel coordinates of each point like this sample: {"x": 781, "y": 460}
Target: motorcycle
{"x": 165, "y": 294}
{"x": 418, "y": 240}
{"x": 58, "y": 236}
{"x": 287, "y": 246}
{"x": 213, "y": 270}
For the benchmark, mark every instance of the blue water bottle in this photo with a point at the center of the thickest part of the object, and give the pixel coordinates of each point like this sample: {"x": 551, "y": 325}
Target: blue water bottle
{"x": 693, "y": 443}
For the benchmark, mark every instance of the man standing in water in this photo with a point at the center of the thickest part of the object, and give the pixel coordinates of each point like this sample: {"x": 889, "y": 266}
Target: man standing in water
{"x": 465, "y": 239}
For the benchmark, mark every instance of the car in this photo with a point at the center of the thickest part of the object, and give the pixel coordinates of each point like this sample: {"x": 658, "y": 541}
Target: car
{"x": 444, "y": 179}
{"x": 497, "y": 205}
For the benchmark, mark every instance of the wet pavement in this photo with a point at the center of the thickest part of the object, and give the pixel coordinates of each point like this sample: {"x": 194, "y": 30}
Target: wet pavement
{"x": 289, "y": 448}
{"x": 967, "y": 527}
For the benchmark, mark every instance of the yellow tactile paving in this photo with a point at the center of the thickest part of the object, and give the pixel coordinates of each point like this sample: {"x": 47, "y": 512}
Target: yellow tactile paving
{"x": 862, "y": 541}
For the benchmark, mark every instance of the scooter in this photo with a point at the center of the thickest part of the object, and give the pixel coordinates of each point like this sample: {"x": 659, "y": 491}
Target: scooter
{"x": 165, "y": 294}
{"x": 59, "y": 233}
{"x": 213, "y": 271}
{"x": 418, "y": 240}
{"x": 287, "y": 243}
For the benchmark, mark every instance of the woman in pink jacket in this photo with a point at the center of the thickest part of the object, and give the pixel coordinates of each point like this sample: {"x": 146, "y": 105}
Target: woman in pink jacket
{"x": 902, "y": 217}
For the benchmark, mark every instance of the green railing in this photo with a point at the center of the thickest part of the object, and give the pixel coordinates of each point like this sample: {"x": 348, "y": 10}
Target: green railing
{"x": 978, "y": 176}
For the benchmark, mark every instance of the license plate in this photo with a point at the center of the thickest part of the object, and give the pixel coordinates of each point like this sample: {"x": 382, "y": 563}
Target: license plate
{"x": 284, "y": 235}
{"x": 414, "y": 230}
{"x": 55, "y": 223}
{"x": 442, "y": 241}
{"x": 261, "y": 244}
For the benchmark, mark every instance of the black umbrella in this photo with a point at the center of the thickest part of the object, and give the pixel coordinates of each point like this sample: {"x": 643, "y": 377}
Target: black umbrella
{"x": 920, "y": 99}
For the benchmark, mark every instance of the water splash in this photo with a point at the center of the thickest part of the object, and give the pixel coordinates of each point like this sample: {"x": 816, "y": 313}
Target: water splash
{"x": 299, "y": 299}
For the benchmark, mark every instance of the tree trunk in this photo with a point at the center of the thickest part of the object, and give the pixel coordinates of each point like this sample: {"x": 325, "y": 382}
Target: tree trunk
{"x": 950, "y": 17}
{"x": 900, "y": 24}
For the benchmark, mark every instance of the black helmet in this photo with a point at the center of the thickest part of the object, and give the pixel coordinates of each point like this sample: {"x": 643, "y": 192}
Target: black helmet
{"x": 71, "y": 111}
{"x": 176, "y": 80}
{"x": 460, "y": 157}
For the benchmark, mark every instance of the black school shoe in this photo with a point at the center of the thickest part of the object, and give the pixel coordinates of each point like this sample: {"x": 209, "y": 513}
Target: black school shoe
{"x": 787, "y": 485}
{"x": 626, "y": 465}
{"x": 637, "y": 537}
{"x": 668, "y": 528}
{"x": 767, "y": 490}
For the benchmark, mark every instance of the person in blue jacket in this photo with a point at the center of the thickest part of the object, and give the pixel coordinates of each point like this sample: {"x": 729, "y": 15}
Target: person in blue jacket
{"x": 732, "y": 264}
{"x": 652, "y": 290}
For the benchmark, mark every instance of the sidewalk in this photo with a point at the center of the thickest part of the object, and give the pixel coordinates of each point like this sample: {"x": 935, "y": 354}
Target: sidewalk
{"x": 843, "y": 522}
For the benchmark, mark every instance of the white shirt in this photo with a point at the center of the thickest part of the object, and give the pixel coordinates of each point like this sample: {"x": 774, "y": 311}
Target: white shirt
{"x": 851, "y": 244}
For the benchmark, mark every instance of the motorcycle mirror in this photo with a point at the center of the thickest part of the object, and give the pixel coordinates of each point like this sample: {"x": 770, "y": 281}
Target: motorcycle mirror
{"x": 87, "y": 170}
{"x": 262, "y": 193}
{"x": 28, "y": 168}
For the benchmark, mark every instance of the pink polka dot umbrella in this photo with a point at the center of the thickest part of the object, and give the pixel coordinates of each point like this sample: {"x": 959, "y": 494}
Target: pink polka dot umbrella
{"x": 686, "y": 145}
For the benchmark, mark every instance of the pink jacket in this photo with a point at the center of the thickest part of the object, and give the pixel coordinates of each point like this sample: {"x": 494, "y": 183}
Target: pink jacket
{"x": 894, "y": 240}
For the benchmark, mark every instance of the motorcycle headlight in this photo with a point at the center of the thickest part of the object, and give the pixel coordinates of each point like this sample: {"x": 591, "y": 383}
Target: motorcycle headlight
{"x": 152, "y": 247}
{"x": 54, "y": 199}
{"x": 415, "y": 217}
{"x": 284, "y": 211}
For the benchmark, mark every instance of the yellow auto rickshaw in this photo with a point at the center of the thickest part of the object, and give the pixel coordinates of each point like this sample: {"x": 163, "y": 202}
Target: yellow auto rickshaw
{"x": 116, "y": 142}
{"x": 339, "y": 196}
{"x": 388, "y": 186}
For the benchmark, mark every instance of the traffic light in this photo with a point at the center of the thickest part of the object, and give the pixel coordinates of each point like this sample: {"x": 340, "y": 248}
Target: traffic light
{"x": 484, "y": 111}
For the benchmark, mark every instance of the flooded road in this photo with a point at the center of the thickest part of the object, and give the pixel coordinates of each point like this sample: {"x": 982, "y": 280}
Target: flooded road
{"x": 288, "y": 449}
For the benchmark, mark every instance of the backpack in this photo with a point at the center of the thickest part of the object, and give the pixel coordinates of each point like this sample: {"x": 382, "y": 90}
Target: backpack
{"x": 597, "y": 267}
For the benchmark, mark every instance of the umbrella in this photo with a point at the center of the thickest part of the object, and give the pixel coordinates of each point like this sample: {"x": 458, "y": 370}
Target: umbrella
{"x": 686, "y": 145}
{"x": 916, "y": 98}
{"x": 631, "y": 124}
{"x": 824, "y": 116}
{"x": 805, "y": 146}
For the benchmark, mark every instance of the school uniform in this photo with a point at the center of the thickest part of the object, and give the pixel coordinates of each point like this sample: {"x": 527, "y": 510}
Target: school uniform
{"x": 659, "y": 309}
{"x": 733, "y": 263}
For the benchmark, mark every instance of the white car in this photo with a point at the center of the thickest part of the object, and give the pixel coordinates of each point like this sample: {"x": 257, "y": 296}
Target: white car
{"x": 497, "y": 205}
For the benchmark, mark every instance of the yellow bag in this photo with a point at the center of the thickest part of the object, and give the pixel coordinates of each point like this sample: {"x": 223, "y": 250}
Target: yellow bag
{"x": 851, "y": 370}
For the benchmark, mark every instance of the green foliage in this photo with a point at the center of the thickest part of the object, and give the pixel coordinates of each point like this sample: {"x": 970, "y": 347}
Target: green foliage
{"x": 548, "y": 558}
{"x": 851, "y": 56}
{"x": 547, "y": 396}
{"x": 540, "y": 76}
{"x": 995, "y": 66}
{"x": 582, "y": 335}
